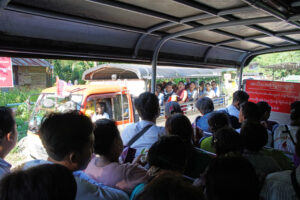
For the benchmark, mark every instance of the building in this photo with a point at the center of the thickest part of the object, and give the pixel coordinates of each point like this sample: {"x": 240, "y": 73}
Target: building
{"x": 31, "y": 73}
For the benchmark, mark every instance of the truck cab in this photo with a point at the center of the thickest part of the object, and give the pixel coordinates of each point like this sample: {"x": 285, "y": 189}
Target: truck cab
{"x": 115, "y": 101}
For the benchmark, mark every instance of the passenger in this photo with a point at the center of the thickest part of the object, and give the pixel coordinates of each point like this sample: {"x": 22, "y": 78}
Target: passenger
{"x": 192, "y": 92}
{"x": 168, "y": 92}
{"x": 201, "y": 88}
{"x": 182, "y": 93}
{"x": 148, "y": 108}
{"x": 239, "y": 97}
{"x": 171, "y": 108}
{"x": 285, "y": 135}
{"x": 159, "y": 94}
{"x": 265, "y": 110}
{"x": 206, "y": 107}
{"x": 68, "y": 139}
{"x": 47, "y": 182}
{"x": 283, "y": 185}
{"x": 105, "y": 167}
{"x": 168, "y": 155}
{"x": 231, "y": 177}
{"x": 249, "y": 111}
{"x": 227, "y": 140}
{"x": 100, "y": 112}
{"x": 209, "y": 92}
{"x": 255, "y": 137}
{"x": 8, "y": 137}
{"x": 170, "y": 187}
{"x": 217, "y": 121}
{"x": 215, "y": 88}
{"x": 181, "y": 126}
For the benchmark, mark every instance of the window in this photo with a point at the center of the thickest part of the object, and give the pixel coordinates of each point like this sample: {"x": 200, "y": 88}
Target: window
{"x": 121, "y": 109}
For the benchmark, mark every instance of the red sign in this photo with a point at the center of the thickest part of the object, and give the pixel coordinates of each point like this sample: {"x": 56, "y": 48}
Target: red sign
{"x": 6, "y": 74}
{"x": 279, "y": 95}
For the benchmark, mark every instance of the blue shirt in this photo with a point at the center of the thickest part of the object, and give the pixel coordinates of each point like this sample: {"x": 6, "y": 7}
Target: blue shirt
{"x": 4, "y": 167}
{"x": 87, "y": 188}
{"x": 202, "y": 123}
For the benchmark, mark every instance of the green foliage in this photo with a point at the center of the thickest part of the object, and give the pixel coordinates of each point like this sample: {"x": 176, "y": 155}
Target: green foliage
{"x": 22, "y": 112}
{"x": 276, "y": 58}
{"x": 71, "y": 70}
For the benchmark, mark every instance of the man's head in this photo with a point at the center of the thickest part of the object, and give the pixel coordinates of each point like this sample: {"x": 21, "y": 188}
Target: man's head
{"x": 68, "y": 139}
{"x": 213, "y": 84}
{"x": 239, "y": 97}
{"x": 264, "y": 109}
{"x": 254, "y": 136}
{"x": 217, "y": 121}
{"x": 295, "y": 111}
{"x": 249, "y": 111}
{"x": 169, "y": 87}
{"x": 192, "y": 86}
{"x": 147, "y": 106}
{"x": 100, "y": 107}
{"x": 8, "y": 131}
{"x": 205, "y": 105}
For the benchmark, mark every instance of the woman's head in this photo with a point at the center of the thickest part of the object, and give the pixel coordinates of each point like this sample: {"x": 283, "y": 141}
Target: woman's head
{"x": 227, "y": 140}
{"x": 8, "y": 130}
{"x": 168, "y": 153}
{"x": 192, "y": 86}
{"x": 180, "y": 125}
{"x": 181, "y": 85}
{"x": 231, "y": 177}
{"x": 217, "y": 121}
{"x": 108, "y": 142}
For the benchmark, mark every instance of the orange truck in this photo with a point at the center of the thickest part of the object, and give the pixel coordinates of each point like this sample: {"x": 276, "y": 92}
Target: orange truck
{"x": 115, "y": 100}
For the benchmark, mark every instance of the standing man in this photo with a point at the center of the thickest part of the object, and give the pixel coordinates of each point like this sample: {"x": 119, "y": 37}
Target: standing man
{"x": 168, "y": 92}
{"x": 215, "y": 88}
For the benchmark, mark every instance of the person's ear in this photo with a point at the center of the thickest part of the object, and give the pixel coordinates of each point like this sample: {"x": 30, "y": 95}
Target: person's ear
{"x": 72, "y": 161}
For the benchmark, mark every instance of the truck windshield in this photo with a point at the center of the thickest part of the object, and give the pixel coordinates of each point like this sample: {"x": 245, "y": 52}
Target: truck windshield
{"x": 48, "y": 103}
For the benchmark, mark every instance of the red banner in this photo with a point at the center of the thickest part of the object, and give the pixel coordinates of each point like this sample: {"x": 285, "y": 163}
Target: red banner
{"x": 279, "y": 95}
{"x": 6, "y": 74}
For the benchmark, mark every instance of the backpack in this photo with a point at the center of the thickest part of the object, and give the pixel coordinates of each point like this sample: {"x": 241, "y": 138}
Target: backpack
{"x": 284, "y": 139}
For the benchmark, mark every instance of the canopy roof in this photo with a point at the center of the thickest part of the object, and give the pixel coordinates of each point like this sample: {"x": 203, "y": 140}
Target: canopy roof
{"x": 288, "y": 66}
{"x": 31, "y": 62}
{"x": 201, "y": 33}
{"x": 133, "y": 71}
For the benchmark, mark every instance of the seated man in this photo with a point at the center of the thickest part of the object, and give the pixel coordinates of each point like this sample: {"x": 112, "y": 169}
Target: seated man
{"x": 265, "y": 110}
{"x": 148, "y": 108}
{"x": 283, "y": 185}
{"x": 8, "y": 137}
{"x": 206, "y": 107}
{"x": 100, "y": 112}
{"x": 68, "y": 140}
{"x": 239, "y": 97}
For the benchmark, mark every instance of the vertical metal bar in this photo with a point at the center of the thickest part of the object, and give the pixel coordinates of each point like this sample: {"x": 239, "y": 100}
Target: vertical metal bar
{"x": 154, "y": 67}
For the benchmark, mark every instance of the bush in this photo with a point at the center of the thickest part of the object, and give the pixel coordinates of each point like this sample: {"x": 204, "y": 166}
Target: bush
{"x": 22, "y": 113}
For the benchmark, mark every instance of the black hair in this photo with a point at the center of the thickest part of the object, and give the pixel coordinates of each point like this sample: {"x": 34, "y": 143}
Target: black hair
{"x": 147, "y": 106}
{"x": 297, "y": 150}
{"x": 64, "y": 133}
{"x": 205, "y": 105}
{"x": 105, "y": 134}
{"x": 231, "y": 177}
{"x": 295, "y": 110}
{"x": 213, "y": 82}
{"x": 217, "y": 121}
{"x": 263, "y": 107}
{"x": 47, "y": 182}
{"x": 180, "y": 125}
{"x": 227, "y": 140}
{"x": 169, "y": 84}
{"x": 7, "y": 121}
{"x": 254, "y": 135}
{"x": 169, "y": 153}
{"x": 240, "y": 96}
{"x": 170, "y": 187}
{"x": 250, "y": 111}
{"x": 207, "y": 84}
{"x": 192, "y": 82}
{"x": 181, "y": 82}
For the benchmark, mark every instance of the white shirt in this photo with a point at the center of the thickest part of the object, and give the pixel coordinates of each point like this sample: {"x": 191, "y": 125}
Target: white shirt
{"x": 278, "y": 186}
{"x": 99, "y": 116}
{"x": 282, "y": 140}
{"x": 146, "y": 140}
{"x": 211, "y": 94}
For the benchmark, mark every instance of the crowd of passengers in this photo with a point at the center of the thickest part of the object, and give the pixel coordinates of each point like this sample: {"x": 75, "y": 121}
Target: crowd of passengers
{"x": 235, "y": 153}
{"x": 185, "y": 92}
